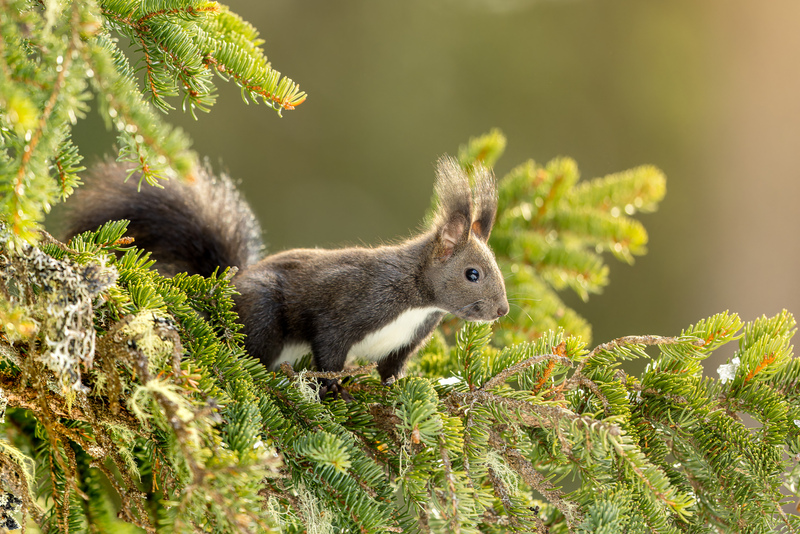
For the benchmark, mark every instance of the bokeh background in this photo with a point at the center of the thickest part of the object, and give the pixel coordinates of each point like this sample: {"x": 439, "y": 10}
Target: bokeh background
{"x": 709, "y": 91}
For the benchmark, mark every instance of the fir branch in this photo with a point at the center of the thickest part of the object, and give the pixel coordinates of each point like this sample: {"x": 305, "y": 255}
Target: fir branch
{"x": 62, "y": 69}
{"x": 485, "y": 149}
{"x": 140, "y": 131}
{"x": 177, "y": 39}
{"x": 67, "y": 164}
{"x": 31, "y": 399}
{"x": 503, "y": 376}
{"x": 535, "y": 480}
{"x": 453, "y": 518}
{"x": 228, "y": 47}
{"x": 766, "y": 360}
{"x": 635, "y": 340}
{"x": 499, "y": 488}
{"x": 363, "y": 370}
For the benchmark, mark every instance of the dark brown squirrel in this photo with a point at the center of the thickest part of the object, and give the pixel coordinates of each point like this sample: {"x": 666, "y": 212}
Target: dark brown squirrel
{"x": 378, "y": 303}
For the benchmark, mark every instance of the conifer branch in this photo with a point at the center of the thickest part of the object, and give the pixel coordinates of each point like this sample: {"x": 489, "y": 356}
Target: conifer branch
{"x": 362, "y": 370}
{"x": 34, "y": 400}
{"x": 511, "y": 371}
{"x": 49, "y": 106}
{"x": 535, "y": 480}
{"x": 454, "y": 521}
{"x": 633, "y": 340}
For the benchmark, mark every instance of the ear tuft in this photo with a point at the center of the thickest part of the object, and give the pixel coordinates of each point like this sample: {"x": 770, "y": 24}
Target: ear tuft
{"x": 485, "y": 199}
{"x": 453, "y": 207}
{"x": 453, "y": 193}
{"x": 462, "y": 209}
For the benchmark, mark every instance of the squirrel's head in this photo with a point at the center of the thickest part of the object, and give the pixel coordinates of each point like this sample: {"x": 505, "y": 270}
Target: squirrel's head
{"x": 463, "y": 271}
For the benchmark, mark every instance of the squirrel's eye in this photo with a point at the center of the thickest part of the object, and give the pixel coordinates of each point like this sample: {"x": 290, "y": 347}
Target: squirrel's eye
{"x": 472, "y": 275}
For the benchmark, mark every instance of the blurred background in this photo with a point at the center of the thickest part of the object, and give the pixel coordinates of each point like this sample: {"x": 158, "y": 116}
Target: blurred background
{"x": 709, "y": 91}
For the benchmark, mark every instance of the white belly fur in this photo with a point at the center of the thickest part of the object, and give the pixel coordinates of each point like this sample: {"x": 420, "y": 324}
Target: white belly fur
{"x": 399, "y": 333}
{"x": 291, "y": 353}
{"x": 376, "y": 345}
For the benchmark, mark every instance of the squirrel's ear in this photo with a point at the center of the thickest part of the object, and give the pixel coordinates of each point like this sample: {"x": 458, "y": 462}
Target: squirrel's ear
{"x": 485, "y": 198}
{"x": 454, "y": 207}
{"x": 451, "y": 234}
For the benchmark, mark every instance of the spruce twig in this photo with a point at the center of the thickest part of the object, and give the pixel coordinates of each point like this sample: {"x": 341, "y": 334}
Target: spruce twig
{"x": 362, "y": 370}
{"x": 535, "y": 480}
{"x": 507, "y": 373}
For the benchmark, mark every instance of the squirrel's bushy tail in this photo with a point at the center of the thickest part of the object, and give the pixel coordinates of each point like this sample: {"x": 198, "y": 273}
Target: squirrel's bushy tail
{"x": 193, "y": 226}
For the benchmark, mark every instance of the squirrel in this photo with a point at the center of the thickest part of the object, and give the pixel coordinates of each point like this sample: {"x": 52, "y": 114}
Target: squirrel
{"x": 378, "y": 303}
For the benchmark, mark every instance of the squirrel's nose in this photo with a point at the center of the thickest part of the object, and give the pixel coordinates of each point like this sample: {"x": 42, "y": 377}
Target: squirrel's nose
{"x": 502, "y": 310}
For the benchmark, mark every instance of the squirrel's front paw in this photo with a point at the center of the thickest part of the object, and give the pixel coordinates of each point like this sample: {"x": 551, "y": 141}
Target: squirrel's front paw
{"x": 332, "y": 389}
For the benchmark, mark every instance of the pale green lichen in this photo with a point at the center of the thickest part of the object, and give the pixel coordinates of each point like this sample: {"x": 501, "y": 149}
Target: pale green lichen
{"x": 57, "y": 295}
{"x": 506, "y": 474}
{"x": 318, "y": 519}
{"x": 142, "y": 328}
{"x": 308, "y": 387}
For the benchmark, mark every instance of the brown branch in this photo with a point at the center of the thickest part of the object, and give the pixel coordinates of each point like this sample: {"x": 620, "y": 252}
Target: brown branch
{"x": 499, "y": 488}
{"x": 31, "y": 399}
{"x": 27, "y": 153}
{"x": 449, "y": 477}
{"x": 49, "y": 420}
{"x": 150, "y": 76}
{"x": 536, "y": 480}
{"x": 63, "y": 524}
{"x": 363, "y": 370}
{"x": 538, "y": 415}
{"x": 545, "y": 375}
{"x": 635, "y": 340}
{"x": 285, "y": 103}
{"x": 593, "y": 387}
{"x": 213, "y": 8}
{"x": 281, "y": 493}
{"x": 507, "y": 373}
{"x": 125, "y": 501}
{"x": 69, "y": 452}
{"x": 766, "y": 359}
{"x": 50, "y": 240}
